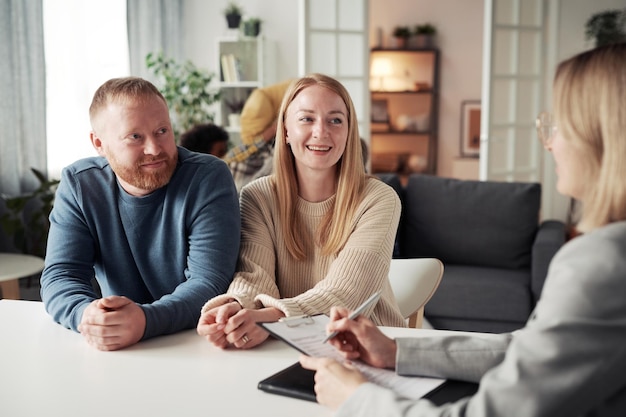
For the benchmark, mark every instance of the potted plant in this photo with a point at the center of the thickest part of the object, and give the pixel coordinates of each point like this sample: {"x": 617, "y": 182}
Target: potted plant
{"x": 401, "y": 34}
{"x": 25, "y": 217}
{"x": 606, "y": 27}
{"x": 424, "y": 35}
{"x": 252, "y": 27}
{"x": 233, "y": 13}
{"x": 186, "y": 89}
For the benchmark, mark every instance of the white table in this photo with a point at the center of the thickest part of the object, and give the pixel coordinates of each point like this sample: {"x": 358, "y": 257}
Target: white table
{"x": 14, "y": 266}
{"x": 47, "y": 370}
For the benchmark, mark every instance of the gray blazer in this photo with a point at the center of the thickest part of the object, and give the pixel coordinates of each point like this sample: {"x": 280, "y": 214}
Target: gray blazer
{"x": 569, "y": 359}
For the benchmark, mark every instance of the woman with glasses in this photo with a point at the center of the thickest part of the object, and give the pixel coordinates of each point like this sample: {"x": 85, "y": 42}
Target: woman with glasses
{"x": 570, "y": 358}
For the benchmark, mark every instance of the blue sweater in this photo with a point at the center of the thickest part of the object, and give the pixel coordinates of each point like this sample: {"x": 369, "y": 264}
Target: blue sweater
{"x": 169, "y": 251}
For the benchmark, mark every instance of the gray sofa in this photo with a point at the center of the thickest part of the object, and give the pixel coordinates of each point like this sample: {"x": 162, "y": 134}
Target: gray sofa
{"x": 488, "y": 235}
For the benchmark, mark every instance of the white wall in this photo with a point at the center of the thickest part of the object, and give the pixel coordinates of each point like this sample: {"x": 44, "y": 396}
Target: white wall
{"x": 204, "y": 21}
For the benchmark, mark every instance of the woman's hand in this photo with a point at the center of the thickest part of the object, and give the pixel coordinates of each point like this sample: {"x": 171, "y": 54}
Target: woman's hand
{"x": 232, "y": 325}
{"x": 361, "y": 339}
{"x": 334, "y": 382}
{"x": 212, "y": 323}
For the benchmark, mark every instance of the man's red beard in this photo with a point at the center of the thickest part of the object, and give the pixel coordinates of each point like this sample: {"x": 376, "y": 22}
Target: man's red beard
{"x": 137, "y": 177}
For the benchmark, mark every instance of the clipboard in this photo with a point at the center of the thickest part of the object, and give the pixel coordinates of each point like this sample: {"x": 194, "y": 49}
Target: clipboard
{"x": 293, "y": 381}
{"x": 307, "y": 334}
{"x": 297, "y": 382}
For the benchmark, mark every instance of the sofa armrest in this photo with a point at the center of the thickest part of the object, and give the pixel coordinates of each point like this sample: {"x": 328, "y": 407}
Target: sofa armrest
{"x": 550, "y": 237}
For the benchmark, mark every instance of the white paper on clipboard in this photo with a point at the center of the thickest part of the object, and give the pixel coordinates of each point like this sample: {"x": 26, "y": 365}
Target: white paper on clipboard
{"x": 307, "y": 333}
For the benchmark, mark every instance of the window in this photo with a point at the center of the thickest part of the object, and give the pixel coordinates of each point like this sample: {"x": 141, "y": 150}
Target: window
{"x": 86, "y": 43}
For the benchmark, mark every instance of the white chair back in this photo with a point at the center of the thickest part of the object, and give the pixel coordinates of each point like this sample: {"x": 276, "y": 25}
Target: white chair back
{"x": 414, "y": 281}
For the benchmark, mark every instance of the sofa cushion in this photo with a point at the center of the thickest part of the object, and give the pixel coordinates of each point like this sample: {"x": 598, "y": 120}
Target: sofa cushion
{"x": 479, "y": 293}
{"x": 482, "y": 223}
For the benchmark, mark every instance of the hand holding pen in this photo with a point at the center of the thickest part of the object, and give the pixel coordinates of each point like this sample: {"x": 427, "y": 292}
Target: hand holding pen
{"x": 360, "y": 310}
{"x": 359, "y": 338}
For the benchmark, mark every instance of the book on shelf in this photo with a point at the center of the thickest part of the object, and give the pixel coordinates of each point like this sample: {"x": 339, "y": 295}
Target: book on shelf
{"x": 238, "y": 69}
{"x": 226, "y": 73}
{"x": 231, "y": 68}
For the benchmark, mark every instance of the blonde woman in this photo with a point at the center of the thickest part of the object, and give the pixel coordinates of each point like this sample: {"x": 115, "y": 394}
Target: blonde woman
{"x": 569, "y": 359}
{"x": 317, "y": 233}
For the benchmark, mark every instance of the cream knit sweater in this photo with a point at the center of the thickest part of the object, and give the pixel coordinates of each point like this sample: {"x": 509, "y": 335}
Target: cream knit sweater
{"x": 268, "y": 276}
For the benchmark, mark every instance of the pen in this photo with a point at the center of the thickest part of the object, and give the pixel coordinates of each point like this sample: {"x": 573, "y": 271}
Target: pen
{"x": 366, "y": 304}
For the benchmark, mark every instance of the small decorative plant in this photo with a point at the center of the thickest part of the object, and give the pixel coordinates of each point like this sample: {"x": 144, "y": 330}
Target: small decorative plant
{"x": 402, "y": 32}
{"x": 424, "y": 35}
{"x": 402, "y": 35}
{"x": 26, "y": 217}
{"x": 252, "y": 26}
{"x": 606, "y": 27}
{"x": 233, "y": 13}
{"x": 425, "y": 29}
{"x": 187, "y": 90}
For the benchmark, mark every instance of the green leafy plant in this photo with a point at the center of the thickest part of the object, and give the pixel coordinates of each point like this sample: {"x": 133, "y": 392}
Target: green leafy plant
{"x": 425, "y": 29}
{"x": 26, "y": 216}
{"x": 187, "y": 90}
{"x": 607, "y": 27}
{"x": 402, "y": 32}
{"x": 233, "y": 13}
{"x": 251, "y": 26}
{"x": 233, "y": 9}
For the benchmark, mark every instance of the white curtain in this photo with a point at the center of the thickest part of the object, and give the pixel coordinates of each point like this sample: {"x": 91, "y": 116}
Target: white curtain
{"x": 22, "y": 95}
{"x": 153, "y": 26}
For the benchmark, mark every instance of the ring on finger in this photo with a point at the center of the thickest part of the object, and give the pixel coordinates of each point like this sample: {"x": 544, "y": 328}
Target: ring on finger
{"x": 245, "y": 339}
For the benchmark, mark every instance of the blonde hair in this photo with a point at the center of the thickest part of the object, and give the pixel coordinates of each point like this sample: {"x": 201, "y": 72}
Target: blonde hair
{"x": 589, "y": 105}
{"x": 334, "y": 229}
{"x": 122, "y": 90}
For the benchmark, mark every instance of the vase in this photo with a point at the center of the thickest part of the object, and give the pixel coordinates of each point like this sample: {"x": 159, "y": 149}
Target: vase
{"x": 234, "y": 120}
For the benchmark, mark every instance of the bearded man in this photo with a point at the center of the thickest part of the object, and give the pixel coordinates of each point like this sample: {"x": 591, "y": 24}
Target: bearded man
{"x": 156, "y": 226}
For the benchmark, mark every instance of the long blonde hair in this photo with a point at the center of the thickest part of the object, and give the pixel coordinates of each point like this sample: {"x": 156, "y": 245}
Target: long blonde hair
{"x": 590, "y": 109}
{"x": 333, "y": 231}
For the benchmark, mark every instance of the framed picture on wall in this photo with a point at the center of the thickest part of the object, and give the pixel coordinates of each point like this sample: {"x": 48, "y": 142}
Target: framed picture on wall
{"x": 470, "y": 128}
{"x": 380, "y": 113}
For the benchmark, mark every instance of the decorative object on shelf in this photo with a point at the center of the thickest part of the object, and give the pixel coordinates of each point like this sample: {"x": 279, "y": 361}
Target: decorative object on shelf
{"x": 421, "y": 86}
{"x": 424, "y": 36}
{"x": 416, "y": 163}
{"x": 233, "y": 13}
{"x": 412, "y": 123}
{"x": 235, "y": 106}
{"x": 422, "y": 122}
{"x": 404, "y": 123}
{"x": 381, "y": 68}
{"x": 187, "y": 90}
{"x": 401, "y": 34}
{"x": 252, "y": 27}
{"x": 470, "y": 128}
{"x": 25, "y": 217}
{"x": 380, "y": 114}
{"x": 607, "y": 27}
{"x": 234, "y": 120}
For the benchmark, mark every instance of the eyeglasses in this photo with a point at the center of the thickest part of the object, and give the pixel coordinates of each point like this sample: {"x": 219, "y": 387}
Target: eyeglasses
{"x": 546, "y": 128}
